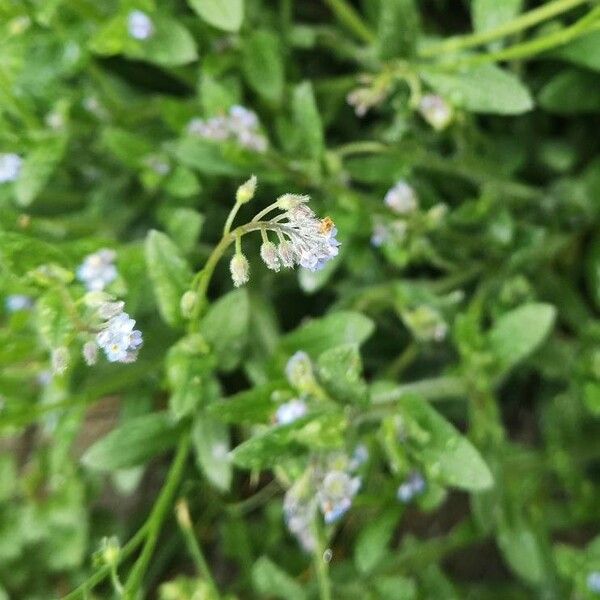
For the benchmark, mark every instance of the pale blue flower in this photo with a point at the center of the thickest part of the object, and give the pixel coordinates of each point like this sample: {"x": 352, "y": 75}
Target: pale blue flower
{"x": 98, "y": 270}
{"x": 412, "y": 487}
{"x": 290, "y": 411}
{"x": 10, "y": 166}
{"x": 139, "y": 25}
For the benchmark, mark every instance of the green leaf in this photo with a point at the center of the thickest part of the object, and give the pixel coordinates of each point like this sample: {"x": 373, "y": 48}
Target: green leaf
{"x": 20, "y": 254}
{"x": 327, "y": 332}
{"x": 309, "y": 128}
{"x": 262, "y": 65}
{"x": 396, "y": 587}
{"x": 271, "y": 581}
{"x": 170, "y": 274}
{"x": 571, "y": 92}
{"x": 522, "y": 552}
{"x": 132, "y": 443}
{"x": 38, "y": 167}
{"x": 442, "y": 449}
{"x": 340, "y": 372}
{"x": 583, "y": 51}
{"x": 489, "y": 14}
{"x": 372, "y": 541}
{"x": 222, "y": 14}
{"x": 484, "y": 89}
{"x": 225, "y": 328}
{"x": 210, "y": 439}
{"x": 184, "y": 226}
{"x": 128, "y": 147}
{"x": 52, "y": 319}
{"x": 256, "y": 405}
{"x": 518, "y": 333}
{"x": 592, "y": 271}
{"x": 189, "y": 374}
{"x": 205, "y": 156}
{"x": 398, "y": 28}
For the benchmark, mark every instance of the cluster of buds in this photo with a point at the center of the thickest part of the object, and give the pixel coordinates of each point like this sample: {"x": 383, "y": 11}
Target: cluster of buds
{"x": 240, "y": 124}
{"x": 10, "y": 167}
{"x": 302, "y": 238}
{"x": 98, "y": 270}
{"x": 140, "y": 25}
{"x": 411, "y": 488}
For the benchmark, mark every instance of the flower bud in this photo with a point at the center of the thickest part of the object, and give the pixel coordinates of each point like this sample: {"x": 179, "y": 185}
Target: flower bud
{"x": 291, "y": 201}
{"x": 90, "y": 353}
{"x": 286, "y": 254}
{"x": 60, "y": 360}
{"x": 246, "y": 191}
{"x": 188, "y": 303}
{"x": 436, "y": 111}
{"x": 240, "y": 269}
{"x": 401, "y": 198}
{"x": 270, "y": 256}
{"x": 299, "y": 372}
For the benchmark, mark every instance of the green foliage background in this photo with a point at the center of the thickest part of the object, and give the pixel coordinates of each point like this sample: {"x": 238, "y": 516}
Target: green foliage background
{"x": 499, "y": 413}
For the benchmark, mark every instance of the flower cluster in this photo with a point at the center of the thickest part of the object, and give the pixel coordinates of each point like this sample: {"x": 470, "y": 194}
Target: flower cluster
{"x": 139, "y": 25}
{"x": 240, "y": 124}
{"x": 10, "y": 167}
{"x": 119, "y": 340}
{"x": 303, "y": 238}
{"x": 98, "y": 270}
{"x": 328, "y": 487}
{"x": 413, "y": 486}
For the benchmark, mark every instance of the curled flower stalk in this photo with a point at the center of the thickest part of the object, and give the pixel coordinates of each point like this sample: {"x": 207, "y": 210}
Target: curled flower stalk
{"x": 303, "y": 239}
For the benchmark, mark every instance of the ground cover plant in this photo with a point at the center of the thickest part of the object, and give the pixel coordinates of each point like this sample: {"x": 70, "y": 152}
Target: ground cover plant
{"x": 299, "y": 299}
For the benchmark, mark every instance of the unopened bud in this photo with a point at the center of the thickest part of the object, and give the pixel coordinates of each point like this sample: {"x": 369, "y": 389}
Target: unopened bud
{"x": 183, "y": 514}
{"x": 290, "y": 201}
{"x": 246, "y": 191}
{"x": 436, "y": 111}
{"x": 60, "y": 360}
{"x": 188, "y": 303}
{"x": 299, "y": 372}
{"x": 240, "y": 269}
{"x": 270, "y": 256}
{"x": 90, "y": 353}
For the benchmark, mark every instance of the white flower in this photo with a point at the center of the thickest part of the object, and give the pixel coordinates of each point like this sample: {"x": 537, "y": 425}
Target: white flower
{"x": 139, "y": 25}
{"x": 98, "y": 270}
{"x": 239, "y": 269}
{"x": 380, "y": 235}
{"x": 16, "y": 302}
{"x": 401, "y": 198}
{"x": 412, "y": 487}
{"x": 119, "y": 340}
{"x": 290, "y": 411}
{"x": 10, "y": 167}
{"x": 436, "y": 111}
{"x": 216, "y": 128}
{"x": 313, "y": 241}
{"x": 270, "y": 256}
{"x": 242, "y": 118}
{"x": 336, "y": 493}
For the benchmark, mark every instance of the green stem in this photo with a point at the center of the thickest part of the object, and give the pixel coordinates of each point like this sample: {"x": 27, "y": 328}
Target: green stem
{"x": 194, "y": 548}
{"x": 82, "y": 590}
{"x": 230, "y": 217}
{"x": 542, "y": 44}
{"x": 157, "y": 516}
{"x": 351, "y": 19}
{"x": 436, "y": 388}
{"x": 525, "y": 21}
{"x": 321, "y": 565}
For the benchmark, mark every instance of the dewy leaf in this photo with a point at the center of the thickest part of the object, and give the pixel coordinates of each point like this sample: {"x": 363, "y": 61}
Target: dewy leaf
{"x": 398, "y": 28}
{"x": 445, "y": 451}
{"x": 222, "y": 14}
{"x": 340, "y": 372}
{"x": 308, "y": 121}
{"x": 371, "y": 544}
{"x": 488, "y": 14}
{"x": 132, "y": 443}
{"x": 262, "y": 65}
{"x": 225, "y": 328}
{"x": 38, "y": 166}
{"x": 327, "y": 332}
{"x": 210, "y": 439}
{"x": 484, "y": 89}
{"x": 270, "y": 580}
{"x": 518, "y": 333}
{"x": 170, "y": 275}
